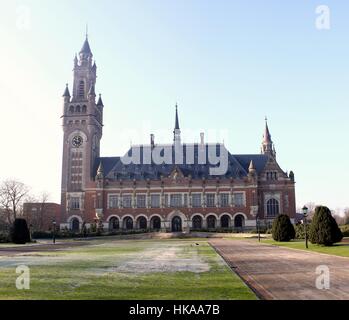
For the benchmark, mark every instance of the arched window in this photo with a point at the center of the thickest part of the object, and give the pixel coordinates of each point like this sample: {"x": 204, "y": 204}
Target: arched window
{"x": 77, "y": 109}
{"x": 273, "y": 208}
{"x": 81, "y": 89}
{"x": 84, "y": 108}
{"x": 71, "y": 109}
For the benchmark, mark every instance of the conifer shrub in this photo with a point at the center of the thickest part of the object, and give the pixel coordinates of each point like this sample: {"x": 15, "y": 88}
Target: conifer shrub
{"x": 283, "y": 230}
{"x": 20, "y": 232}
{"x": 324, "y": 229}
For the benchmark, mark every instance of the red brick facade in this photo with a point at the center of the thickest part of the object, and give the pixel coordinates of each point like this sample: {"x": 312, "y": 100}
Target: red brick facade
{"x": 174, "y": 197}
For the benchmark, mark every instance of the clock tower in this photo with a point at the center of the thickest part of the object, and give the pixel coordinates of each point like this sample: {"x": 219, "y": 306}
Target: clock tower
{"x": 82, "y": 122}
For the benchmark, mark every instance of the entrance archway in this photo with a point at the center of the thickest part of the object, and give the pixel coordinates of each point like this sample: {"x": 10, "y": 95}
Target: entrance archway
{"x": 176, "y": 224}
{"x": 155, "y": 223}
{"x": 197, "y": 223}
{"x": 114, "y": 224}
{"x": 225, "y": 221}
{"x": 128, "y": 223}
{"x": 239, "y": 221}
{"x": 75, "y": 225}
{"x": 142, "y": 223}
{"x": 211, "y": 222}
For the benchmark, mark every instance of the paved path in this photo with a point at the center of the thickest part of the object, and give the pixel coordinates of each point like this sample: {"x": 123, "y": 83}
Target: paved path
{"x": 282, "y": 273}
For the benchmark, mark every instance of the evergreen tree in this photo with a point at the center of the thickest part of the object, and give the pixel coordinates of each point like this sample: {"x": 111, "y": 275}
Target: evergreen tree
{"x": 283, "y": 230}
{"x": 20, "y": 232}
{"x": 324, "y": 229}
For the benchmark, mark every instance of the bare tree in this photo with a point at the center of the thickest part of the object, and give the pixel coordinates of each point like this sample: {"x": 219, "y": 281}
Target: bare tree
{"x": 12, "y": 194}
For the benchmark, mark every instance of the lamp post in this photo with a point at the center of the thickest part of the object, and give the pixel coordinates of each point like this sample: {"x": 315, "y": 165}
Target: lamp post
{"x": 54, "y": 231}
{"x": 305, "y": 213}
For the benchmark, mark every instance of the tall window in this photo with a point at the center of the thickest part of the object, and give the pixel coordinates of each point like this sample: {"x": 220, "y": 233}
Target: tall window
{"x": 238, "y": 199}
{"x": 127, "y": 201}
{"x": 224, "y": 200}
{"x": 113, "y": 201}
{"x": 75, "y": 203}
{"x": 176, "y": 200}
{"x": 141, "y": 201}
{"x": 196, "y": 200}
{"x": 273, "y": 208}
{"x": 81, "y": 89}
{"x": 210, "y": 200}
{"x": 272, "y": 175}
{"x": 155, "y": 201}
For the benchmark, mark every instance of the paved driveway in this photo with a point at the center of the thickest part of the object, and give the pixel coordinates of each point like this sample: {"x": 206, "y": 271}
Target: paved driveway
{"x": 284, "y": 274}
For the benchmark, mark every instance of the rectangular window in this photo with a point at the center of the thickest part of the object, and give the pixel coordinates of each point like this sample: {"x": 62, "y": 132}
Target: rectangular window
{"x": 166, "y": 201}
{"x": 127, "y": 201}
{"x": 141, "y": 201}
{"x": 155, "y": 201}
{"x": 75, "y": 203}
{"x": 185, "y": 200}
{"x": 176, "y": 200}
{"x": 196, "y": 200}
{"x": 210, "y": 200}
{"x": 113, "y": 202}
{"x": 224, "y": 200}
{"x": 239, "y": 199}
{"x": 272, "y": 176}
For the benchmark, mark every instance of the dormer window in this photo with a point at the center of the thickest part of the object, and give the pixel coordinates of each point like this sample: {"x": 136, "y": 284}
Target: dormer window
{"x": 272, "y": 176}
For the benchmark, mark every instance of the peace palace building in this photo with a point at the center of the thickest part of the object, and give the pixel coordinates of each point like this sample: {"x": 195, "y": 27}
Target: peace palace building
{"x": 173, "y": 187}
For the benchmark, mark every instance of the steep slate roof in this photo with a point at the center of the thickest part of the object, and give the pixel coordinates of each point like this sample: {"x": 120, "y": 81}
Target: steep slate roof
{"x": 259, "y": 161}
{"x": 237, "y": 165}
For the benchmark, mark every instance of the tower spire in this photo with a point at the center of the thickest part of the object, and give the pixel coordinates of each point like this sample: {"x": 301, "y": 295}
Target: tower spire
{"x": 177, "y": 130}
{"x": 267, "y": 143}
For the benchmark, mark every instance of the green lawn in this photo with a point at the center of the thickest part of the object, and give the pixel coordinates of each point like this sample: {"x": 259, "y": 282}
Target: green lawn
{"x": 338, "y": 249}
{"x": 129, "y": 269}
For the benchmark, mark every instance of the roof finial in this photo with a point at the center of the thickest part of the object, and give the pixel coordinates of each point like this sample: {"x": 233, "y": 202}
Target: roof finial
{"x": 86, "y": 31}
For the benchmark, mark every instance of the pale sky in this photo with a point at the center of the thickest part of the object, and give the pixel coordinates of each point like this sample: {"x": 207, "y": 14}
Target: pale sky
{"x": 228, "y": 64}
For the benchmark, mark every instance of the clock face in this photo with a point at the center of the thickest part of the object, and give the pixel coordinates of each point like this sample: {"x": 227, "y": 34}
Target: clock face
{"x": 77, "y": 141}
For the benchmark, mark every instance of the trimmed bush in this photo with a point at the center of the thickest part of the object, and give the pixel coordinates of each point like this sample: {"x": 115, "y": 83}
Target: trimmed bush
{"x": 324, "y": 229}
{"x": 283, "y": 230}
{"x": 20, "y": 232}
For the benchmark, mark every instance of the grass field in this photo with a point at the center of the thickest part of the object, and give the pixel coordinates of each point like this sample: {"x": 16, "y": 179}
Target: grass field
{"x": 338, "y": 249}
{"x": 129, "y": 269}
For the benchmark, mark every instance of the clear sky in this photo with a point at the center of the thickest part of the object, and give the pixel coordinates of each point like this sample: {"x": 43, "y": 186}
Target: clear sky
{"x": 228, "y": 64}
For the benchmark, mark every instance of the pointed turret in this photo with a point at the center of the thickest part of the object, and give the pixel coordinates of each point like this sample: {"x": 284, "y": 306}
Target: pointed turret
{"x": 177, "y": 130}
{"x": 100, "y": 172}
{"x": 251, "y": 169}
{"x": 177, "y": 120}
{"x": 100, "y": 101}
{"x": 86, "y": 49}
{"x": 66, "y": 93}
{"x": 267, "y": 144}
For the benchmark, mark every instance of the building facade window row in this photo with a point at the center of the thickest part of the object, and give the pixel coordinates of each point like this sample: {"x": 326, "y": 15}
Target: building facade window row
{"x": 177, "y": 200}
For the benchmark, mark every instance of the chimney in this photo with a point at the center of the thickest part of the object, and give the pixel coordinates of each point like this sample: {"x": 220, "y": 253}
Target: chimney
{"x": 202, "y": 138}
{"x": 152, "y": 141}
